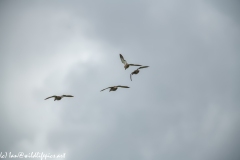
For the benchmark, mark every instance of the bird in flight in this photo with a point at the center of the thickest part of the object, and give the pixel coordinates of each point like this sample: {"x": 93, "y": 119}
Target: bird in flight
{"x": 59, "y": 97}
{"x": 126, "y": 65}
{"x": 137, "y": 71}
{"x": 114, "y": 88}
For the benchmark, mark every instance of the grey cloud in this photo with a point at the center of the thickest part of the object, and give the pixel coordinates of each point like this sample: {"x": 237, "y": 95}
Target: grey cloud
{"x": 184, "y": 106}
{"x": 230, "y": 8}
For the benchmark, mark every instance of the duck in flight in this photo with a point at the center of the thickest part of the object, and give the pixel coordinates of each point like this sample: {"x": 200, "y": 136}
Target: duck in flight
{"x": 59, "y": 97}
{"x": 126, "y": 65}
{"x": 137, "y": 71}
{"x": 114, "y": 88}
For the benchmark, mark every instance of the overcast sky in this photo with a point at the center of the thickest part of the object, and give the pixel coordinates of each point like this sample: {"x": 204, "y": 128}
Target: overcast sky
{"x": 185, "y": 106}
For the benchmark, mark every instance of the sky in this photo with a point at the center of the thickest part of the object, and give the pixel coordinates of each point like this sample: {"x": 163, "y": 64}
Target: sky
{"x": 185, "y": 106}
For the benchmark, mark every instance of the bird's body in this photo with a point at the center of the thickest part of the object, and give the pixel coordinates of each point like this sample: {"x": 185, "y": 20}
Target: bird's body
{"x": 58, "y": 98}
{"x": 137, "y": 71}
{"x": 114, "y": 88}
{"x": 126, "y": 65}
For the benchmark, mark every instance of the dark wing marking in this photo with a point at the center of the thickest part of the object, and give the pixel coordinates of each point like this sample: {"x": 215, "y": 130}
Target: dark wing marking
{"x": 143, "y": 67}
{"x": 135, "y": 65}
{"x": 49, "y": 97}
{"x": 131, "y": 76}
{"x": 67, "y": 96}
{"x": 105, "y": 88}
{"x": 123, "y": 86}
{"x": 122, "y": 59}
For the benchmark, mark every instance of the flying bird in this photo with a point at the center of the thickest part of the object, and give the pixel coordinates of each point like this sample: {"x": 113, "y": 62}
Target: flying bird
{"x": 59, "y": 97}
{"x": 126, "y": 65}
{"x": 137, "y": 71}
{"x": 114, "y": 88}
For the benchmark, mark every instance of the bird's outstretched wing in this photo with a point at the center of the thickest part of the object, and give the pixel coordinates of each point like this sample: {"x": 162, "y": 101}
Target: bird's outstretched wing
{"x": 105, "y": 88}
{"x": 135, "y": 65}
{"x": 123, "y": 86}
{"x": 143, "y": 67}
{"x": 122, "y": 59}
{"x": 131, "y": 76}
{"x": 67, "y": 96}
{"x": 49, "y": 97}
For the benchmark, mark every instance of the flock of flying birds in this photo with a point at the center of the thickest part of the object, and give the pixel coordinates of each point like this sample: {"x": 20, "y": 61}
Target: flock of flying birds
{"x": 113, "y": 88}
